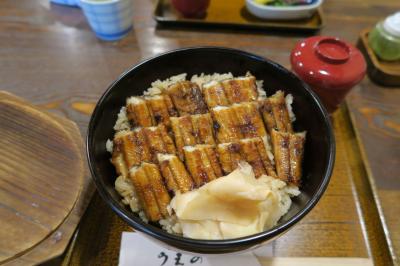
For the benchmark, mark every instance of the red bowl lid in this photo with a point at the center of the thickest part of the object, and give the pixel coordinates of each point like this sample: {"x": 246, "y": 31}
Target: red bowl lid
{"x": 328, "y": 62}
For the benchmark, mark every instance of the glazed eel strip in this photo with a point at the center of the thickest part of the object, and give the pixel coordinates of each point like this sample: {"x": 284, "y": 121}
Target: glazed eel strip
{"x": 288, "y": 150}
{"x": 149, "y": 111}
{"x": 202, "y": 162}
{"x": 132, "y": 147}
{"x": 175, "y": 174}
{"x": 230, "y": 91}
{"x": 192, "y": 130}
{"x": 187, "y": 98}
{"x": 151, "y": 191}
{"x": 242, "y": 89}
{"x": 237, "y": 122}
{"x": 251, "y": 150}
{"x": 275, "y": 113}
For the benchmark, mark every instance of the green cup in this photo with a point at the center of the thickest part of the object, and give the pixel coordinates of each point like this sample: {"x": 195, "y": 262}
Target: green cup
{"x": 385, "y": 38}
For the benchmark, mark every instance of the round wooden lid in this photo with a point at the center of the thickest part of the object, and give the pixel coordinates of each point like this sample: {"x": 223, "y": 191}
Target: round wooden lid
{"x": 41, "y": 171}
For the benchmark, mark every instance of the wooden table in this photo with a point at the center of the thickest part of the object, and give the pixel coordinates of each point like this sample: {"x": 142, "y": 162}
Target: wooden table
{"x": 49, "y": 56}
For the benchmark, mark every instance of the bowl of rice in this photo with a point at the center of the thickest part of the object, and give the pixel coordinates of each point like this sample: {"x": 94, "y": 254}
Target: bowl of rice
{"x": 210, "y": 150}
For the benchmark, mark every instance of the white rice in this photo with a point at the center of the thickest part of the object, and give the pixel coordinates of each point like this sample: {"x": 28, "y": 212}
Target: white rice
{"x": 209, "y": 84}
{"x": 289, "y": 102}
{"x": 159, "y": 85}
{"x": 154, "y": 97}
{"x": 219, "y": 107}
{"x": 109, "y": 146}
{"x": 135, "y": 100}
{"x": 267, "y": 145}
{"x": 286, "y": 192}
{"x": 202, "y": 78}
{"x": 152, "y": 128}
{"x": 260, "y": 88}
{"x": 143, "y": 216}
{"x": 122, "y": 122}
{"x": 189, "y": 148}
{"x": 125, "y": 188}
{"x": 171, "y": 224}
{"x": 161, "y": 157}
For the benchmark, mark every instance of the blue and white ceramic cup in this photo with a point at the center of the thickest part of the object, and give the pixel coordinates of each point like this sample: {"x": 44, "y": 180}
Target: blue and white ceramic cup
{"x": 110, "y": 20}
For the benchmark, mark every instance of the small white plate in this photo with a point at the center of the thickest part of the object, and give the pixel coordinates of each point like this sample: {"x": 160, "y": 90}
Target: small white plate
{"x": 282, "y": 12}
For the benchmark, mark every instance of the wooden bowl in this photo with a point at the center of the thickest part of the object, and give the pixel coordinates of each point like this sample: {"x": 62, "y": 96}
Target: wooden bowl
{"x": 43, "y": 182}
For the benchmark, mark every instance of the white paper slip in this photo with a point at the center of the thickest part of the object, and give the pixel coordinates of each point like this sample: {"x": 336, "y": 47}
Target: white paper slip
{"x": 138, "y": 250}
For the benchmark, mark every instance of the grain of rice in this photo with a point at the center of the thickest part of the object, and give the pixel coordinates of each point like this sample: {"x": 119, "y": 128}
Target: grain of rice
{"x": 289, "y": 102}
{"x": 260, "y": 88}
{"x": 109, "y": 145}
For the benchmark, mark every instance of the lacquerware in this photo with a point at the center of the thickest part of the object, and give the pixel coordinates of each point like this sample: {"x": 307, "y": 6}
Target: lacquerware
{"x": 332, "y": 67}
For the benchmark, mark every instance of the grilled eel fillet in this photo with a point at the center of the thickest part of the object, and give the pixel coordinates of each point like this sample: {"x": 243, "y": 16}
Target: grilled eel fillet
{"x": 237, "y": 122}
{"x": 288, "y": 150}
{"x": 192, "y": 130}
{"x": 187, "y": 98}
{"x": 214, "y": 94}
{"x": 275, "y": 113}
{"x": 158, "y": 141}
{"x": 202, "y": 162}
{"x": 251, "y": 150}
{"x": 242, "y": 89}
{"x": 296, "y": 154}
{"x": 175, "y": 174}
{"x": 150, "y": 189}
{"x": 249, "y": 121}
{"x": 162, "y": 108}
{"x": 230, "y": 91}
{"x": 149, "y": 111}
{"x": 131, "y": 148}
{"x": 225, "y": 124}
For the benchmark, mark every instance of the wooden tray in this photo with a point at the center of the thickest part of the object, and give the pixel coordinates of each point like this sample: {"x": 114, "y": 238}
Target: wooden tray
{"x": 43, "y": 182}
{"x": 233, "y": 14}
{"x": 382, "y": 72}
{"x": 344, "y": 225}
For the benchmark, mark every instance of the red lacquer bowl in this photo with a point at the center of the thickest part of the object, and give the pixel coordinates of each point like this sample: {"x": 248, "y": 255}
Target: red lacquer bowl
{"x": 330, "y": 66}
{"x": 191, "y": 8}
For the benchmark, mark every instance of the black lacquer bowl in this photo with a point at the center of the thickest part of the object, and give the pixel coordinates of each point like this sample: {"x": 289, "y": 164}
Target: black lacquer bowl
{"x": 311, "y": 116}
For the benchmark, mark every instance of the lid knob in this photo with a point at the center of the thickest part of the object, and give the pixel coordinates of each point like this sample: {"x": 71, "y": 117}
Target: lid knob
{"x": 332, "y": 50}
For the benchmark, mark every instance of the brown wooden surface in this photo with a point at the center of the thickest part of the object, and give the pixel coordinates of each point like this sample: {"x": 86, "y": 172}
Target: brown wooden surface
{"x": 233, "y": 13}
{"x": 375, "y": 113}
{"x": 42, "y": 175}
{"x": 50, "y": 56}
